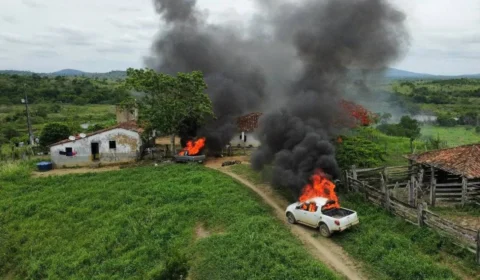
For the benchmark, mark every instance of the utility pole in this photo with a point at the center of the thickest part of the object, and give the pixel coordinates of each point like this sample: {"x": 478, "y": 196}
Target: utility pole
{"x": 30, "y": 133}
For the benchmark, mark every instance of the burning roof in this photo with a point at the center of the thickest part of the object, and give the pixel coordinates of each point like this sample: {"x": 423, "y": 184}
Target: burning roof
{"x": 248, "y": 123}
{"x": 462, "y": 161}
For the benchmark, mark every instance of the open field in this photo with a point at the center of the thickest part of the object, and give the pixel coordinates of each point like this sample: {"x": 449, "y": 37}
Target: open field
{"x": 454, "y": 136}
{"x": 145, "y": 223}
{"x": 391, "y": 248}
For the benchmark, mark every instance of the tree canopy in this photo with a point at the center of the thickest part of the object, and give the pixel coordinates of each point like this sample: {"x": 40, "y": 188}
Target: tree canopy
{"x": 54, "y": 132}
{"x": 69, "y": 90}
{"x": 170, "y": 101}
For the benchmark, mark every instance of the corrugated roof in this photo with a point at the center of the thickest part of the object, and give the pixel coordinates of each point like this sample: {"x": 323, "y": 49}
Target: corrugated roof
{"x": 462, "y": 161}
{"x": 131, "y": 125}
{"x": 248, "y": 123}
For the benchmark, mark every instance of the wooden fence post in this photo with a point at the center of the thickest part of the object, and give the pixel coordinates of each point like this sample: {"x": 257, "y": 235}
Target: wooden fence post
{"x": 354, "y": 172}
{"x": 464, "y": 190}
{"x": 411, "y": 199}
{"x": 421, "y": 207}
{"x": 433, "y": 192}
{"x": 387, "y": 199}
{"x": 478, "y": 247}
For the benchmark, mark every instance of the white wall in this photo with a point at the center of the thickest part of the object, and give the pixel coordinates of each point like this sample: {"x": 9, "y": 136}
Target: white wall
{"x": 251, "y": 140}
{"x": 128, "y": 146}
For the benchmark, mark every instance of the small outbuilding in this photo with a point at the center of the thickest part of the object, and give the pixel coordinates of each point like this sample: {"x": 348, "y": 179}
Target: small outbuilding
{"x": 118, "y": 144}
{"x": 452, "y": 174}
{"x": 246, "y": 126}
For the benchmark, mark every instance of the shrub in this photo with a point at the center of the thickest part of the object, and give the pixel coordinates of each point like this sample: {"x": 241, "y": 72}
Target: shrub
{"x": 13, "y": 171}
{"x": 358, "y": 151}
{"x": 54, "y": 132}
{"x": 446, "y": 120}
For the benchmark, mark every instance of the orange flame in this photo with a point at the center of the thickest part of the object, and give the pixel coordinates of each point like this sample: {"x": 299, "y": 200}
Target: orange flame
{"x": 320, "y": 187}
{"x": 193, "y": 148}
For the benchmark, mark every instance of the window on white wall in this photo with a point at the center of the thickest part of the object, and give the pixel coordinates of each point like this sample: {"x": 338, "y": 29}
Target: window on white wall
{"x": 69, "y": 152}
{"x": 112, "y": 144}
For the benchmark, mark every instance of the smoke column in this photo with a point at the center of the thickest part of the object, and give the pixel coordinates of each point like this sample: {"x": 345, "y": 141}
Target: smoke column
{"x": 236, "y": 86}
{"x": 295, "y": 66}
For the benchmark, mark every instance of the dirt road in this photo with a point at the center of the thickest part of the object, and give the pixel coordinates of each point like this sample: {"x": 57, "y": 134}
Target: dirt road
{"x": 323, "y": 249}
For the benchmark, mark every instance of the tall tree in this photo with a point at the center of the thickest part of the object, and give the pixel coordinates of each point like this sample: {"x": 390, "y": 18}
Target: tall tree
{"x": 170, "y": 101}
{"x": 411, "y": 129}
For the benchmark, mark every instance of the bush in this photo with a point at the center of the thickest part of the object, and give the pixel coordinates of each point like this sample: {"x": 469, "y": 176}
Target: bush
{"x": 446, "y": 120}
{"x": 13, "y": 171}
{"x": 358, "y": 151}
{"x": 477, "y": 129}
{"x": 54, "y": 132}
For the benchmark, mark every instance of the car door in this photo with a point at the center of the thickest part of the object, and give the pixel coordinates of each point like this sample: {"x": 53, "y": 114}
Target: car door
{"x": 312, "y": 218}
{"x": 300, "y": 214}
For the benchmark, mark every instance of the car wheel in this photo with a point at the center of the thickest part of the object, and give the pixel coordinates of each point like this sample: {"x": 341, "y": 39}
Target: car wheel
{"x": 324, "y": 231}
{"x": 291, "y": 219}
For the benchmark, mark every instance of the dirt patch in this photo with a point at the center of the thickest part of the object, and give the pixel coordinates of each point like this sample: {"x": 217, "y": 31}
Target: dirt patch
{"x": 323, "y": 249}
{"x": 201, "y": 232}
{"x": 69, "y": 171}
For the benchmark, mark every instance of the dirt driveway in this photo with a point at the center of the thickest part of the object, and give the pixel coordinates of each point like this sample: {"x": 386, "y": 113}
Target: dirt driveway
{"x": 323, "y": 249}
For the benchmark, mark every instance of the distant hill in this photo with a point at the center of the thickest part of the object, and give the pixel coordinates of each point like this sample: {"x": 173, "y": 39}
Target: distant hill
{"x": 393, "y": 73}
{"x": 397, "y": 74}
{"x": 390, "y": 73}
{"x": 71, "y": 73}
{"x": 68, "y": 72}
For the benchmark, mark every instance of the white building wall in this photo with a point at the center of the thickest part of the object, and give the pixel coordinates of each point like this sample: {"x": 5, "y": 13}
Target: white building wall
{"x": 252, "y": 140}
{"x": 128, "y": 145}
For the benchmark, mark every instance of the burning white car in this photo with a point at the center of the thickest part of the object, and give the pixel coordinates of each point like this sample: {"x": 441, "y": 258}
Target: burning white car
{"x": 318, "y": 213}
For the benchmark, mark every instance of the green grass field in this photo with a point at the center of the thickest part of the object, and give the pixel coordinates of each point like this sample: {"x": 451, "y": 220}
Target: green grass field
{"x": 389, "y": 247}
{"x": 141, "y": 224}
{"x": 454, "y": 136}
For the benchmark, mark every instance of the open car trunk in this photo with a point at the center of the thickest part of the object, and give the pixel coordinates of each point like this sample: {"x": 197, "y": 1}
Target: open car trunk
{"x": 337, "y": 212}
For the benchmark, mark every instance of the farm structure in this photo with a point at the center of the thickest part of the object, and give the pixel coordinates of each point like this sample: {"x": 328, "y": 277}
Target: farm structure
{"x": 451, "y": 175}
{"x": 246, "y": 126}
{"x": 119, "y": 144}
{"x": 406, "y": 191}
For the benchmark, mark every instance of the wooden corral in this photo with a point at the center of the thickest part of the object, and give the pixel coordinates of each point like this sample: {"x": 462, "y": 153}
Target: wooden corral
{"x": 380, "y": 185}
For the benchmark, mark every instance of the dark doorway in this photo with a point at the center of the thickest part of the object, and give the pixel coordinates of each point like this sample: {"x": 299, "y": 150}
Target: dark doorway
{"x": 95, "y": 152}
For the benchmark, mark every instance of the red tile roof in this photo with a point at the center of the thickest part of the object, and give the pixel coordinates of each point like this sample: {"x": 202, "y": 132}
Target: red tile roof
{"x": 249, "y": 122}
{"x": 131, "y": 125}
{"x": 462, "y": 161}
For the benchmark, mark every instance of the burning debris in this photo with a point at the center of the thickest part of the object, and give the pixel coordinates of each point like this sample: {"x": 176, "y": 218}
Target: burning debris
{"x": 192, "y": 151}
{"x": 193, "y": 148}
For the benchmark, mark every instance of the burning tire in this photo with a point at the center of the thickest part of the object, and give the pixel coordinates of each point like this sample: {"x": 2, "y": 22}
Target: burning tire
{"x": 291, "y": 219}
{"x": 324, "y": 231}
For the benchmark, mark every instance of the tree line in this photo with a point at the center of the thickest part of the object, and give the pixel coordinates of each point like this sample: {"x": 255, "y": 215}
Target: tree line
{"x": 66, "y": 90}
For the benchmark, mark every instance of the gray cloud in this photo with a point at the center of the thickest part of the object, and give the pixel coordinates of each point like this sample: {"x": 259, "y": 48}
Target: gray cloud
{"x": 74, "y": 36}
{"x": 115, "y": 49}
{"x": 9, "y": 19}
{"x": 134, "y": 24}
{"x": 44, "y": 53}
{"x": 33, "y": 3}
{"x": 15, "y": 39}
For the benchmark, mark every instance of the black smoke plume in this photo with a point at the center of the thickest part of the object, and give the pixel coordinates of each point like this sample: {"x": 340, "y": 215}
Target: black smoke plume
{"x": 295, "y": 65}
{"x": 235, "y": 85}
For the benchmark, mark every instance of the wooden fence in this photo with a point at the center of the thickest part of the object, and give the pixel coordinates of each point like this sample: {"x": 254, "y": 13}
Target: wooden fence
{"x": 420, "y": 215}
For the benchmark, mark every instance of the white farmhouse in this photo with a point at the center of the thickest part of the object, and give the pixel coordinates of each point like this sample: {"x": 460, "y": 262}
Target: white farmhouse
{"x": 113, "y": 145}
{"x": 246, "y": 127}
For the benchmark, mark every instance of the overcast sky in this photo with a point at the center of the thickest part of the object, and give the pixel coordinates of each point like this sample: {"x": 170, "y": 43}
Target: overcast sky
{"x": 104, "y": 35}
